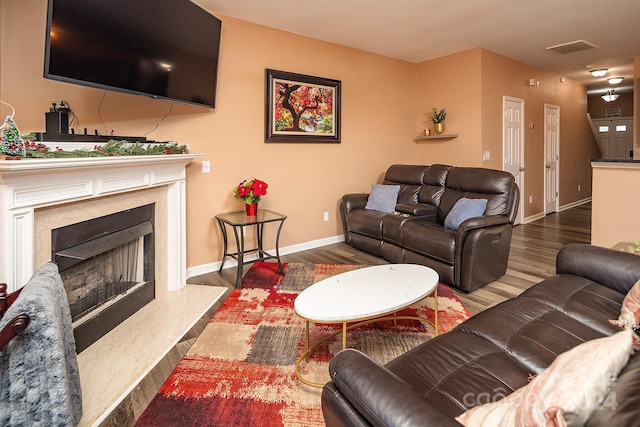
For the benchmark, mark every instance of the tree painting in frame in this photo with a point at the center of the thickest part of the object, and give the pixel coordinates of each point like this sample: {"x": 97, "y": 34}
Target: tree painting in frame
{"x": 301, "y": 108}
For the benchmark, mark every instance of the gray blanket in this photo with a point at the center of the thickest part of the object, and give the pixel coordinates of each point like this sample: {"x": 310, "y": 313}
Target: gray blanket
{"x": 39, "y": 378}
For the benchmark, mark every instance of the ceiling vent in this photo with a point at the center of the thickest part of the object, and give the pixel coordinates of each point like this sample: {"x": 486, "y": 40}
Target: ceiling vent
{"x": 570, "y": 47}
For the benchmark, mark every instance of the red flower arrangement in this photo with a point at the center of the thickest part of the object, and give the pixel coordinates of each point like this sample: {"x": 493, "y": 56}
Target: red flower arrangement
{"x": 250, "y": 191}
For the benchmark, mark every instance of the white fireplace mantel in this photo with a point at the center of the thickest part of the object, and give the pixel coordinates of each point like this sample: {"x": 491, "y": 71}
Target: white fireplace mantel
{"x": 29, "y": 184}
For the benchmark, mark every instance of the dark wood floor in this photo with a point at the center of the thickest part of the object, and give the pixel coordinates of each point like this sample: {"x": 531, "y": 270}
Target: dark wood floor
{"x": 532, "y": 258}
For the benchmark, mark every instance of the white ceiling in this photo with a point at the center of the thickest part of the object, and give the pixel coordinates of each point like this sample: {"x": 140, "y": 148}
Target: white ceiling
{"x": 419, "y": 30}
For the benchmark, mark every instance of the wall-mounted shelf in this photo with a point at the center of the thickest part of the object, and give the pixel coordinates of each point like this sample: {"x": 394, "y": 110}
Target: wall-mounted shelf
{"x": 441, "y": 136}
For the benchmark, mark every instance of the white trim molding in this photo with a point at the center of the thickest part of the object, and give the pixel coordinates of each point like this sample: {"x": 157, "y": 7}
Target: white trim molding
{"x": 29, "y": 184}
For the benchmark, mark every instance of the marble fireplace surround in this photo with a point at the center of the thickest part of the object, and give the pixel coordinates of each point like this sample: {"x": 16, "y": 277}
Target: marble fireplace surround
{"x": 37, "y": 195}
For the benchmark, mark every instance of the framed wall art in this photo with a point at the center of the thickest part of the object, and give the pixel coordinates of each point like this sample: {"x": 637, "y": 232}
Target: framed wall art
{"x": 301, "y": 108}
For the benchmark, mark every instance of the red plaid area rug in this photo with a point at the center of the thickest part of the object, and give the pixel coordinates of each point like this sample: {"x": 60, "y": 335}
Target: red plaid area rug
{"x": 241, "y": 370}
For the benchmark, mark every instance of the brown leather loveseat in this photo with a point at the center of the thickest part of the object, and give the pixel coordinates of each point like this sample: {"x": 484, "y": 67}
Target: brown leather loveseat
{"x": 414, "y": 232}
{"x": 493, "y": 353}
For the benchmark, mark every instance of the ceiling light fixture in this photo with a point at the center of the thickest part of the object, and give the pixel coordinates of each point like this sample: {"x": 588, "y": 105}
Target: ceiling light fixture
{"x": 599, "y": 73}
{"x": 615, "y": 80}
{"x": 610, "y": 96}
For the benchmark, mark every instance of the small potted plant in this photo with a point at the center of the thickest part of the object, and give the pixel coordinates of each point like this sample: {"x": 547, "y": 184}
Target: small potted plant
{"x": 438, "y": 119}
{"x": 250, "y": 192}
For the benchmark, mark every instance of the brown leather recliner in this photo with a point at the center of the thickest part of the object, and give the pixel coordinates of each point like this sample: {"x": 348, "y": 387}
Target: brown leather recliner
{"x": 468, "y": 258}
{"x": 493, "y": 353}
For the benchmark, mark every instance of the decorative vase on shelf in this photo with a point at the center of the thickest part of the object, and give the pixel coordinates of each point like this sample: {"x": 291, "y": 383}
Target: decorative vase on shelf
{"x": 438, "y": 119}
{"x": 251, "y": 209}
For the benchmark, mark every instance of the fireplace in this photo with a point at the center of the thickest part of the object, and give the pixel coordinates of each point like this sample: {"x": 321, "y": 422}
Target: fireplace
{"x": 107, "y": 267}
{"x": 39, "y": 195}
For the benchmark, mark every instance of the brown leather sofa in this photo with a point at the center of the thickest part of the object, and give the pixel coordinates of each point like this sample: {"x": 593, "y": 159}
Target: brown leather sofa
{"x": 468, "y": 258}
{"x": 493, "y": 352}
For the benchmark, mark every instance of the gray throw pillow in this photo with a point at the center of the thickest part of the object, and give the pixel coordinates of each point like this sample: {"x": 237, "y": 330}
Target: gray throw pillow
{"x": 383, "y": 198}
{"x": 463, "y": 210}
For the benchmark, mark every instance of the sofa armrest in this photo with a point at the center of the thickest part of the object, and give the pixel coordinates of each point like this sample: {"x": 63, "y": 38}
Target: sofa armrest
{"x": 354, "y": 201}
{"x": 609, "y": 267}
{"x": 380, "y": 396}
{"x": 481, "y": 222}
{"x": 417, "y": 209}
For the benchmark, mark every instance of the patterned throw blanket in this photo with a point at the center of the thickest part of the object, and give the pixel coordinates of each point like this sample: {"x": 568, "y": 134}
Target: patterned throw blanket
{"x": 39, "y": 378}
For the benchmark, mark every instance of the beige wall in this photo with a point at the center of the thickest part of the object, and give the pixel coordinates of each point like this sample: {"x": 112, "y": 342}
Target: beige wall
{"x": 451, "y": 82}
{"x": 386, "y": 103}
{"x": 636, "y": 104}
{"x": 598, "y": 107}
{"x": 502, "y": 76}
{"x": 472, "y": 85}
{"x": 615, "y": 206}
{"x": 305, "y": 180}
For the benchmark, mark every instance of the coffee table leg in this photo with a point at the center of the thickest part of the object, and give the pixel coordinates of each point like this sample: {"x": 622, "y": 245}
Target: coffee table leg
{"x": 344, "y": 335}
{"x": 307, "y": 344}
{"x": 435, "y": 310}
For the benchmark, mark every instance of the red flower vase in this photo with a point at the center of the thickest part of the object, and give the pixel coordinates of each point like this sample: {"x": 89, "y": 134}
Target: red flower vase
{"x": 251, "y": 208}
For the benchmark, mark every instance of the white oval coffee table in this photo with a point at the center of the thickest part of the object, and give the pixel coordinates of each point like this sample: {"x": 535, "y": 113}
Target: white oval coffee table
{"x": 364, "y": 295}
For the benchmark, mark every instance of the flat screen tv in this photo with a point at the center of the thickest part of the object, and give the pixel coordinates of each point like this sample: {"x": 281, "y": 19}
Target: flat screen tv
{"x": 158, "y": 48}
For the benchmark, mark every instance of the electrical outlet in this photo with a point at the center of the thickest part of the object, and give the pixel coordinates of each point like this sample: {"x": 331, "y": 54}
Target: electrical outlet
{"x": 326, "y": 216}
{"x": 578, "y": 187}
{"x": 486, "y": 155}
{"x": 206, "y": 166}
{"x": 530, "y": 199}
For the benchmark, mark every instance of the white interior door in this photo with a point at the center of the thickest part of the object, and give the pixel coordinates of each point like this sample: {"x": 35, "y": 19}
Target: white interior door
{"x": 615, "y": 137}
{"x": 551, "y": 156}
{"x": 513, "y": 145}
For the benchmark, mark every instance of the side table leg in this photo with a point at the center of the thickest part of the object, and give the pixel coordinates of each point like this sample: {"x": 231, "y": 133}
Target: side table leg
{"x": 240, "y": 246}
{"x": 278, "y": 248}
{"x": 224, "y": 244}
{"x": 259, "y": 229}
{"x": 344, "y": 335}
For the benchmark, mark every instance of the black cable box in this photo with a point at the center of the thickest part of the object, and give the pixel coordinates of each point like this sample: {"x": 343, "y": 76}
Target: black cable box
{"x": 79, "y": 137}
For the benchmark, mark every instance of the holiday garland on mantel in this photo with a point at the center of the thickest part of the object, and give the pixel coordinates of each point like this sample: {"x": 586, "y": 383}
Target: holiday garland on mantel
{"x": 14, "y": 145}
{"x": 111, "y": 148}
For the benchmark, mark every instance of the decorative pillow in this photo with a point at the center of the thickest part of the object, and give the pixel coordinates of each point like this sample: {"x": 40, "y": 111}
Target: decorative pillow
{"x": 383, "y": 198}
{"x": 463, "y": 210}
{"x": 565, "y": 393}
{"x": 630, "y": 311}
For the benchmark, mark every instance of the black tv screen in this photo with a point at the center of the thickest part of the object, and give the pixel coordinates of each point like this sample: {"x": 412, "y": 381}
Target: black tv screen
{"x": 159, "y": 48}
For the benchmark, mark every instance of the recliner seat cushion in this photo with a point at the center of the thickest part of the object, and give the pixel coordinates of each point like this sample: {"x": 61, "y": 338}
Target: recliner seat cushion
{"x": 366, "y": 222}
{"x": 456, "y": 369}
{"x": 566, "y": 393}
{"x": 581, "y": 299}
{"x": 430, "y": 239}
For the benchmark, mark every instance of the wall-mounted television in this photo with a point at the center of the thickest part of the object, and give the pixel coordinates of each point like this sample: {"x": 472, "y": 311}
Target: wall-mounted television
{"x": 157, "y": 48}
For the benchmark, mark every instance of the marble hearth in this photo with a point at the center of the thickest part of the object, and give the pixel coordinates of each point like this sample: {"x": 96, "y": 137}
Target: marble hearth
{"x": 38, "y": 195}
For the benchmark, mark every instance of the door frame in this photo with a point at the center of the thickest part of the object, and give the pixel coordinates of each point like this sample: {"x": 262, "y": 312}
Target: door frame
{"x": 520, "y": 217}
{"x": 544, "y": 173}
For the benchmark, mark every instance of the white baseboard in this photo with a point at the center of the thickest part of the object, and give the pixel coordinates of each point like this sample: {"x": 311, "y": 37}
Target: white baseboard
{"x": 574, "y": 204}
{"x": 560, "y": 209}
{"x": 532, "y": 218}
{"x": 215, "y": 266}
